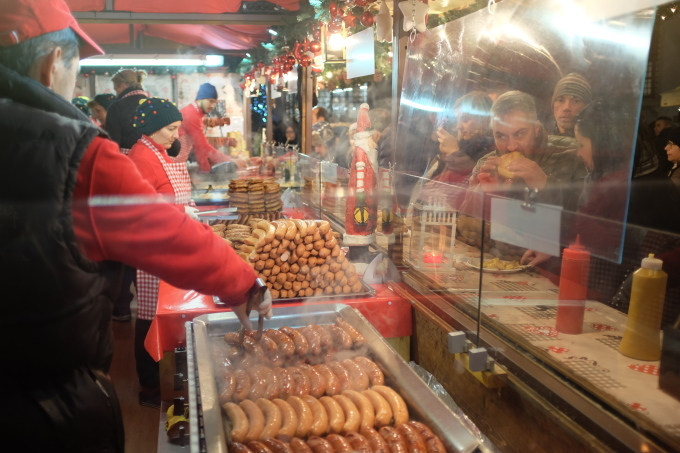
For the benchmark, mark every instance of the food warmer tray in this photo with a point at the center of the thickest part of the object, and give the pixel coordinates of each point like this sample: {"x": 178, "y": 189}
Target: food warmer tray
{"x": 366, "y": 291}
{"x": 422, "y": 402}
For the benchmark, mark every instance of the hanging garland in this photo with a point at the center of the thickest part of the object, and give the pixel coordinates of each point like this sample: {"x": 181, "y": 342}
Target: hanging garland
{"x": 151, "y": 70}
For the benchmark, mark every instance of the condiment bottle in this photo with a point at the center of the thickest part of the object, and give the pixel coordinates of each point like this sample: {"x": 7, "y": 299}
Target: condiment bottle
{"x": 642, "y": 338}
{"x": 571, "y": 305}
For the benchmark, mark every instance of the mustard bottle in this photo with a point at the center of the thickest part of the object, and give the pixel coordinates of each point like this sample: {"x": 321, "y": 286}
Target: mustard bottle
{"x": 642, "y": 338}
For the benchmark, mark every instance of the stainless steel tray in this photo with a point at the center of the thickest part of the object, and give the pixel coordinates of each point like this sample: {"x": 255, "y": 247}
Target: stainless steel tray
{"x": 366, "y": 290}
{"x": 423, "y": 404}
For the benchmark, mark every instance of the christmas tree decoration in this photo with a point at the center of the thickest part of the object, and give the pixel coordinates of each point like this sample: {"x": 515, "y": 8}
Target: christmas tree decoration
{"x": 367, "y": 19}
{"x": 383, "y": 24}
{"x": 350, "y": 20}
{"x": 333, "y": 9}
{"x": 315, "y": 46}
{"x": 414, "y": 15}
{"x": 335, "y": 25}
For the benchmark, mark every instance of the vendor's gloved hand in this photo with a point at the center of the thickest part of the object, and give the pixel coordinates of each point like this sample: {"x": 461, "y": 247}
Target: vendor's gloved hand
{"x": 265, "y": 308}
{"x": 191, "y": 212}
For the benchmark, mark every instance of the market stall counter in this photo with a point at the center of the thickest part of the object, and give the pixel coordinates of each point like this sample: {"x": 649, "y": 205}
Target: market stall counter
{"x": 387, "y": 311}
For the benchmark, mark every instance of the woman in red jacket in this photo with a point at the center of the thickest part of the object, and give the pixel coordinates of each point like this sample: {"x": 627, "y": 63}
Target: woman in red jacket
{"x": 158, "y": 120}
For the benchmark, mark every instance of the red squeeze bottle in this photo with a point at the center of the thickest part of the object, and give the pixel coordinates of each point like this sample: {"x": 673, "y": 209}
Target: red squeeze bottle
{"x": 571, "y": 304}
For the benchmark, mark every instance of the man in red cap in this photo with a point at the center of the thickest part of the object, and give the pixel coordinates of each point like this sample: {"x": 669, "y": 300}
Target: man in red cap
{"x": 73, "y": 208}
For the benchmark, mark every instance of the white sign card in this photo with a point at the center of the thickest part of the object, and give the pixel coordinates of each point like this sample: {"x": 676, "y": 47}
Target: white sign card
{"x": 360, "y": 54}
{"x": 536, "y": 228}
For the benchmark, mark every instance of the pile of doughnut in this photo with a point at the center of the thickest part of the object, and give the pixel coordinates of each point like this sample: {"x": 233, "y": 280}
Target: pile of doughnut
{"x": 298, "y": 258}
{"x": 313, "y": 390}
{"x": 255, "y": 195}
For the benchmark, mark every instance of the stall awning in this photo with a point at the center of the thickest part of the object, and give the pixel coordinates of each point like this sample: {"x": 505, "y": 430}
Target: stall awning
{"x": 225, "y": 37}
{"x": 173, "y": 6}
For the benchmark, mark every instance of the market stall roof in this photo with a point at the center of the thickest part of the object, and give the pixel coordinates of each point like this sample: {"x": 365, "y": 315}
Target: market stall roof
{"x": 189, "y": 23}
{"x": 226, "y": 37}
{"x": 172, "y": 6}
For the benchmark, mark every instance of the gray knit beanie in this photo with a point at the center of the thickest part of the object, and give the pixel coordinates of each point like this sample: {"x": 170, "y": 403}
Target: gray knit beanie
{"x": 573, "y": 85}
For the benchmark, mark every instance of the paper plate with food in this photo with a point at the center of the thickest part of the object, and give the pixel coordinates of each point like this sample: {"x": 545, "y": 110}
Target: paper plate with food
{"x": 496, "y": 265}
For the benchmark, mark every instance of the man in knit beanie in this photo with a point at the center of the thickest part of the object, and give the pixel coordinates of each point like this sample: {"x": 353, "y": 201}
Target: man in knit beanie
{"x": 191, "y": 132}
{"x": 572, "y": 93}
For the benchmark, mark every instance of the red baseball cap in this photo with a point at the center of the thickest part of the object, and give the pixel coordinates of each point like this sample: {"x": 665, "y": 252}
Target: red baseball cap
{"x": 21, "y": 20}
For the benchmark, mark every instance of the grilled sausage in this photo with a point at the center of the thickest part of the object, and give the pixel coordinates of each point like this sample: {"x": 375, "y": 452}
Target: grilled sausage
{"x": 336, "y": 416}
{"x": 396, "y": 402}
{"x": 258, "y": 447}
{"x": 352, "y": 417}
{"x": 358, "y": 378}
{"x": 255, "y": 420}
{"x": 381, "y": 408}
{"x": 304, "y": 414}
{"x": 414, "y": 441}
{"x": 375, "y": 374}
{"x": 289, "y": 420}
{"x": 299, "y": 340}
{"x": 358, "y": 339}
{"x": 272, "y": 418}
{"x": 376, "y": 441}
{"x": 299, "y": 446}
{"x": 359, "y": 443}
{"x": 339, "y": 443}
{"x": 342, "y": 374}
{"x": 317, "y": 382}
{"x": 239, "y": 421}
{"x": 394, "y": 439}
{"x": 277, "y": 446}
{"x": 319, "y": 416}
{"x": 319, "y": 445}
{"x": 366, "y": 412}
{"x": 432, "y": 442}
{"x": 333, "y": 386}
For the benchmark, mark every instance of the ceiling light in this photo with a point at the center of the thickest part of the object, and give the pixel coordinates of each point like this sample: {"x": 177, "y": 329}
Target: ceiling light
{"x": 273, "y": 32}
{"x": 154, "y": 60}
{"x": 248, "y": 55}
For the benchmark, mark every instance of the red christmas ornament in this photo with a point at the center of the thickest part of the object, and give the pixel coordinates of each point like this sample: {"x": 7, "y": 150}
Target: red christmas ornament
{"x": 367, "y": 19}
{"x": 305, "y": 61}
{"x": 361, "y": 3}
{"x": 290, "y": 61}
{"x": 243, "y": 86}
{"x": 260, "y": 65}
{"x": 335, "y": 25}
{"x": 333, "y": 9}
{"x": 350, "y": 20}
{"x": 315, "y": 46}
{"x": 317, "y": 34}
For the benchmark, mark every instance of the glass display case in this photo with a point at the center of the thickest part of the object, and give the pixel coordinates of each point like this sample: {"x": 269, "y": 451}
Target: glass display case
{"x": 526, "y": 195}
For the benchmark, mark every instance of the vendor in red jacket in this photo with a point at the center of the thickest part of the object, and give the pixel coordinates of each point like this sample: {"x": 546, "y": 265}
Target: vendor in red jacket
{"x": 191, "y": 132}
{"x": 158, "y": 120}
{"x": 74, "y": 208}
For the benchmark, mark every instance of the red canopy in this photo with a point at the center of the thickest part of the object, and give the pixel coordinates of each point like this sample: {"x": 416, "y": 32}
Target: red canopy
{"x": 226, "y": 37}
{"x": 174, "y": 6}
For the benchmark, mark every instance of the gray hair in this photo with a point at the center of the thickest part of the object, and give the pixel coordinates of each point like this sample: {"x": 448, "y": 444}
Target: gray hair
{"x": 20, "y": 57}
{"x": 513, "y": 101}
{"x": 131, "y": 77}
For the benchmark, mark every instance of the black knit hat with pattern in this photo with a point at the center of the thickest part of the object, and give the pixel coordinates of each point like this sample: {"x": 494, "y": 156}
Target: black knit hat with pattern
{"x": 153, "y": 114}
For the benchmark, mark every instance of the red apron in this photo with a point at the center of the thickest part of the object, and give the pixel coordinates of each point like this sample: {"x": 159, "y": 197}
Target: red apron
{"x": 147, "y": 284}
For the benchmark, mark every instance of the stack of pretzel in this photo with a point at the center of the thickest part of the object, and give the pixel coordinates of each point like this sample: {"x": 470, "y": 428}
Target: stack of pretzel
{"x": 299, "y": 258}
{"x": 313, "y": 390}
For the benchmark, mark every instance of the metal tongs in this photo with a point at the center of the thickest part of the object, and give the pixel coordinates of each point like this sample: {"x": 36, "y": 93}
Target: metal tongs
{"x": 256, "y": 295}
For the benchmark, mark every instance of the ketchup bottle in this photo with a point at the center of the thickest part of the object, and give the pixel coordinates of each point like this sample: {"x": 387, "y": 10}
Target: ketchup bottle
{"x": 571, "y": 305}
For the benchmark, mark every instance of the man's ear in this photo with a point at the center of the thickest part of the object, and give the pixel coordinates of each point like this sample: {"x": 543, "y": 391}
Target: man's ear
{"x": 49, "y": 67}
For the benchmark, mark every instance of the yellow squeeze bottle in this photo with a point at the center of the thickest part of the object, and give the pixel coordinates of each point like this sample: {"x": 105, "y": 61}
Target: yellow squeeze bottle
{"x": 642, "y": 338}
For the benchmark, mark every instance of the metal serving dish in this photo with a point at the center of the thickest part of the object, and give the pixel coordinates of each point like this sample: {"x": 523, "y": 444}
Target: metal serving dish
{"x": 423, "y": 404}
{"x": 366, "y": 290}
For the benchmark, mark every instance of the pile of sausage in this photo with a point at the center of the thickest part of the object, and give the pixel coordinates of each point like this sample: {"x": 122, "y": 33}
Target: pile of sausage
{"x": 308, "y": 390}
{"x": 299, "y": 258}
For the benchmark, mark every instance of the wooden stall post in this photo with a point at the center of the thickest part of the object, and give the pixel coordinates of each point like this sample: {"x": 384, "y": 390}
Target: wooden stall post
{"x": 307, "y": 93}
{"x": 270, "y": 109}
{"x": 247, "y": 123}
{"x": 399, "y": 45}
